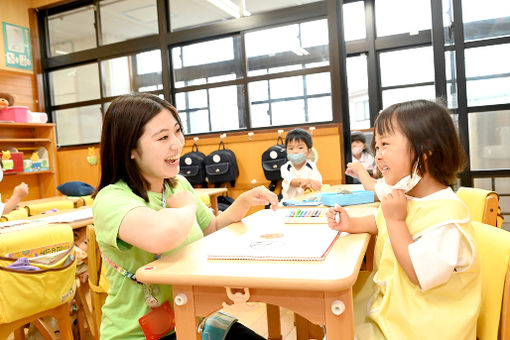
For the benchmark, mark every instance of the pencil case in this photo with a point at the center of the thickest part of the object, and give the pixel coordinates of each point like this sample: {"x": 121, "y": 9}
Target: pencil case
{"x": 356, "y": 197}
{"x": 47, "y": 277}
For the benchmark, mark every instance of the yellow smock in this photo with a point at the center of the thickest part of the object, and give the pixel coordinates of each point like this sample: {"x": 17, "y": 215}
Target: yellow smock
{"x": 389, "y": 306}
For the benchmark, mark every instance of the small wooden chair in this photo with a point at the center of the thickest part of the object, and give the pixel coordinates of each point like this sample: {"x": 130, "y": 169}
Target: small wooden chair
{"x": 483, "y": 205}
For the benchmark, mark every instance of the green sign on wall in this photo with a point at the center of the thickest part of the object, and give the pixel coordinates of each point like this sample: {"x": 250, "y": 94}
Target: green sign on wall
{"x": 18, "y": 52}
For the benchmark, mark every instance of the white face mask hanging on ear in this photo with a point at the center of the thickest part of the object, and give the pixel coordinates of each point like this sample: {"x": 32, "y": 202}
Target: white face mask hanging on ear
{"x": 405, "y": 184}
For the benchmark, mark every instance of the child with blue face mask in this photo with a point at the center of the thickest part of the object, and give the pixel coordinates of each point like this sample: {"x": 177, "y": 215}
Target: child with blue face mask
{"x": 299, "y": 173}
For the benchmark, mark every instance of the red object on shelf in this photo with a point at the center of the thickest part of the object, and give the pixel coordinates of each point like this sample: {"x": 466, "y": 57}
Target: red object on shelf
{"x": 17, "y": 158}
{"x": 17, "y": 114}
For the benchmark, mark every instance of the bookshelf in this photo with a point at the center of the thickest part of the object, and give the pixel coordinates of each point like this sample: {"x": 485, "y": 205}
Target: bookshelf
{"x": 27, "y": 138}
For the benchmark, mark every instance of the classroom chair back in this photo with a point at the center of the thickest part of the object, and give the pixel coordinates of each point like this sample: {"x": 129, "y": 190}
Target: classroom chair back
{"x": 27, "y": 295}
{"x": 494, "y": 249}
{"x": 483, "y": 205}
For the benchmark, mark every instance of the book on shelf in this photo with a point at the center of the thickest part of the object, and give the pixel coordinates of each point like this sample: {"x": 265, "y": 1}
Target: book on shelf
{"x": 269, "y": 238}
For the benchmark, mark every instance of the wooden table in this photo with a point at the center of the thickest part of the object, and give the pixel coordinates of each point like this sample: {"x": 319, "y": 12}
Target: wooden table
{"x": 213, "y": 196}
{"x": 74, "y": 224}
{"x": 311, "y": 289}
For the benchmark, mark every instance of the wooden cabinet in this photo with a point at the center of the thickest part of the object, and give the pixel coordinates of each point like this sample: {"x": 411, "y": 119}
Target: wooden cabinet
{"x": 27, "y": 138}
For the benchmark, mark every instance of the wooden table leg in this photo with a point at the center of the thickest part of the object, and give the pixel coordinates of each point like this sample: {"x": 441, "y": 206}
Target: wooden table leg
{"x": 274, "y": 329}
{"x": 185, "y": 315}
{"x": 214, "y": 203}
{"x": 339, "y": 326}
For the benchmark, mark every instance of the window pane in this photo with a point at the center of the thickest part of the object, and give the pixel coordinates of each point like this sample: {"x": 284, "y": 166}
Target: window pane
{"x": 81, "y": 125}
{"x": 74, "y": 84}
{"x": 354, "y": 21}
{"x": 71, "y": 31}
{"x": 402, "y": 16}
{"x": 207, "y": 62}
{"x": 487, "y": 19}
{"x": 291, "y": 100}
{"x": 449, "y": 36}
{"x": 483, "y": 183}
{"x": 357, "y": 84}
{"x": 215, "y": 109}
{"x": 407, "y": 66}
{"x": 451, "y": 79}
{"x": 127, "y": 19}
{"x": 487, "y": 74}
{"x": 285, "y": 48}
{"x": 394, "y": 96}
{"x": 489, "y": 140}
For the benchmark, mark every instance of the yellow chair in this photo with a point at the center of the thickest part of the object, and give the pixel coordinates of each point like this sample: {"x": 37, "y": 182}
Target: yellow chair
{"x": 494, "y": 249}
{"x": 482, "y": 204}
{"x": 97, "y": 285}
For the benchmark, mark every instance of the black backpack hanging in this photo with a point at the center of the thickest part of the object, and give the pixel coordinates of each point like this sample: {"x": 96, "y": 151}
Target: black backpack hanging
{"x": 221, "y": 166}
{"x": 192, "y": 166}
{"x": 272, "y": 160}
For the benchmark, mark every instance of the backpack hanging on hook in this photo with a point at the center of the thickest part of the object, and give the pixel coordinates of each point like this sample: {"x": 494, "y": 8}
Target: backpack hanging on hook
{"x": 272, "y": 160}
{"x": 192, "y": 166}
{"x": 221, "y": 166}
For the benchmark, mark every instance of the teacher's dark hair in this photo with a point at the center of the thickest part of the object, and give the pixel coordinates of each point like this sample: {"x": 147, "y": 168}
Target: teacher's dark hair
{"x": 123, "y": 125}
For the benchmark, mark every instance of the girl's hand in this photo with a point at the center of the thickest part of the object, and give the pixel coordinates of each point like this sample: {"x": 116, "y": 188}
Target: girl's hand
{"x": 354, "y": 169}
{"x": 394, "y": 206}
{"x": 21, "y": 191}
{"x": 259, "y": 196}
{"x": 181, "y": 199}
{"x": 345, "y": 220}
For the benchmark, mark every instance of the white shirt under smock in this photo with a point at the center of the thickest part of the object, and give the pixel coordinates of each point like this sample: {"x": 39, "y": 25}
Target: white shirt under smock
{"x": 366, "y": 159}
{"x": 440, "y": 250}
{"x": 289, "y": 172}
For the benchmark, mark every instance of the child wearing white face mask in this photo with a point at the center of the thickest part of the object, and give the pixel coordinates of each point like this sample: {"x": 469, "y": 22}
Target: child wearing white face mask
{"x": 426, "y": 282}
{"x": 299, "y": 173}
{"x": 359, "y": 155}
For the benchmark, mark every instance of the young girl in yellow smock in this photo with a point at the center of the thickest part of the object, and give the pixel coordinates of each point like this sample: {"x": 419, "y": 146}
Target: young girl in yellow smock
{"x": 426, "y": 281}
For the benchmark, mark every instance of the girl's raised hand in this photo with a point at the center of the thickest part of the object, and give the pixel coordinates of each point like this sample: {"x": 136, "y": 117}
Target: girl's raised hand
{"x": 344, "y": 223}
{"x": 259, "y": 196}
{"x": 394, "y": 206}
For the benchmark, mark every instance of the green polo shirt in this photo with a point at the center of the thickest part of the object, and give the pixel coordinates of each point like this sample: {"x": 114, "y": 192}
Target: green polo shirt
{"x": 125, "y": 303}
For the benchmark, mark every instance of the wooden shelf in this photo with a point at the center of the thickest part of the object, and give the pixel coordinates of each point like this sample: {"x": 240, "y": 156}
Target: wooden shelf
{"x": 25, "y": 140}
{"x": 28, "y": 137}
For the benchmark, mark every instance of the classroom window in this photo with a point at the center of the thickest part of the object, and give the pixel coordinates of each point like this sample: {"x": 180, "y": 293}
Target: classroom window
{"x": 393, "y": 96}
{"x": 138, "y": 73}
{"x": 354, "y": 21}
{"x": 214, "y": 109}
{"x": 287, "y": 48}
{"x": 401, "y": 67}
{"x": 127, "y": 19}
{"x": 402, "y": 16}
{"x": 488, "y": 75}
{"x": 65, "y": 36}
{"x": 490, "y": 20}
{"x": 75, "y": 84}
{"x": 451, "y": 79}
{"x": 80, "y": 125}
{"x": 207, "y": 62}
{"x": 357, "y": 84}
{"x": 489, "y": 138}
{"x": 290, "y": 100}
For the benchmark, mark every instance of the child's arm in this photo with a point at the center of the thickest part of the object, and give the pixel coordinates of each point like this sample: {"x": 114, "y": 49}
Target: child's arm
{"x": 394, "y": 207}
{"x": 256, "y": 196}
{"x": 314, "y": 184}
{"x": 353, "y": 225}
{"x": 20, "y": 192}
{"x": 357, "y": 170}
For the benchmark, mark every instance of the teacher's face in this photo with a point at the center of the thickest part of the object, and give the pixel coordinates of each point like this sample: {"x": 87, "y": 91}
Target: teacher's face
{"x": 158, "y": 149}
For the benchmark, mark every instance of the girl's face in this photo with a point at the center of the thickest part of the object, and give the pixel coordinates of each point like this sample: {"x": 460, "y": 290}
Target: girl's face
{"x": 158, "y": 149}
{"x": 393, "y": 155}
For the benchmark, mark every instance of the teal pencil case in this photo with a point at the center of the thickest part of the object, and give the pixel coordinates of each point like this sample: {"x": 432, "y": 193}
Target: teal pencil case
{"x": 356, "y": 197}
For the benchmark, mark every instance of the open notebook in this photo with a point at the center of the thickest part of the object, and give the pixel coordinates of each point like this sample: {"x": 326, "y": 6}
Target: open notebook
{"x": 270, "y": 239}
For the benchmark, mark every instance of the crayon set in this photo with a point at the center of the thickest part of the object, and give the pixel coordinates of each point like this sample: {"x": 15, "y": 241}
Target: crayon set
{"x": 311, "y": 215}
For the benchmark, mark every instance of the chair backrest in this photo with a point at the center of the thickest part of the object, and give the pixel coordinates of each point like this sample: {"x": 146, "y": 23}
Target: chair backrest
{"x": 97, "y": 283}
{"x": 482, "y": 205}
{"x": 494, "y": 249}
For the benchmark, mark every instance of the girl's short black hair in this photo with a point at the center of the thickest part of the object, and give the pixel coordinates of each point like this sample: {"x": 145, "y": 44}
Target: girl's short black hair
{"x": 299, "y": 135}
{"x": 432, "y": 137}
